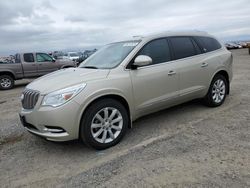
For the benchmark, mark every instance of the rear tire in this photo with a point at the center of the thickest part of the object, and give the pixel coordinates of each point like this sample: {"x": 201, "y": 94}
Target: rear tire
{"x": 104, "y": 124}
{"x": 6, "y": 82}
{"x": 217, "y": 91}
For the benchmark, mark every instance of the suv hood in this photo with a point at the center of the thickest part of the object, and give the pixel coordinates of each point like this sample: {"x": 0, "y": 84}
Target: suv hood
{"x": 66, "y": 78}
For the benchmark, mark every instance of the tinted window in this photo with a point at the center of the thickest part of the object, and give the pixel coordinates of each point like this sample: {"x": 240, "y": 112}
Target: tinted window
{"x": 208, "y": 44}
{"x": 158, "y": 50}
{"x": 182, "y": 47}
{"x": 40, "y": 57}
{"x": 197, "y": 47}
{"x": 28, "y": 57}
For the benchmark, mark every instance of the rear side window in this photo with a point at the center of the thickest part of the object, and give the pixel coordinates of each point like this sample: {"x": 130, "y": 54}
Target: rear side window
{"x": 41, "y": 57}
{"x": 207, "y": 44}
{"x": 158, "y": 50}
{"x": 28, "y": 57}
{"x": 182, "y": 47}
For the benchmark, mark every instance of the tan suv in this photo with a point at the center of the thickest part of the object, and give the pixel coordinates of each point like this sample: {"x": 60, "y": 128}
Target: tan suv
{"x": 98, "y": 101}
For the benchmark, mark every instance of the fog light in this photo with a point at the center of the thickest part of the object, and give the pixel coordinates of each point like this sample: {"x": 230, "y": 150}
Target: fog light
{"x": 53, "y": 129}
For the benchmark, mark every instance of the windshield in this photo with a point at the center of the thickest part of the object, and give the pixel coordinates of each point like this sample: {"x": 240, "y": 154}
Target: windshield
{"x": 110, "y": 55}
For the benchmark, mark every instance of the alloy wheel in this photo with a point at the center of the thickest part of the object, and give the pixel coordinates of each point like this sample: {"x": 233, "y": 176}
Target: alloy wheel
{"x": 218, "y": 91}
{"x": 106, "y": 125}
{"x": 5, "y": 82}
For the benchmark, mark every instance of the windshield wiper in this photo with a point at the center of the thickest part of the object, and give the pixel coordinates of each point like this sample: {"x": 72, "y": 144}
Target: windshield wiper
{"x": 90, "y": 67}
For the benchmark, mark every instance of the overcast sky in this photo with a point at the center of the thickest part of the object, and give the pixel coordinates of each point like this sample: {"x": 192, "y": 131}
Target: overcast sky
{"x": 44, "y": 25}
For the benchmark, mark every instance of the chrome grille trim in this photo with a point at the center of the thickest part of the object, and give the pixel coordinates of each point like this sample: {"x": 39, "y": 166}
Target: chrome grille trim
{"x": 30, "y": 98}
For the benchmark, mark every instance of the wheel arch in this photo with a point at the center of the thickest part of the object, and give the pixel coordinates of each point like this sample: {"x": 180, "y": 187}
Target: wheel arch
{"x": 226, "y": 75}
{"x": 9, "y": 73}
{"x": 117, "y": 97}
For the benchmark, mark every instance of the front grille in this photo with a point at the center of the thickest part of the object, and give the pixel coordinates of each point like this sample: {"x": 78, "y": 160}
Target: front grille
{"x": 29, "y": 98}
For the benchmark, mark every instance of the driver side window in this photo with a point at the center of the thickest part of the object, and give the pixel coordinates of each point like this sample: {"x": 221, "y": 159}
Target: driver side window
{"x": 41, "y": 57}
{"x": 158, "y": 50}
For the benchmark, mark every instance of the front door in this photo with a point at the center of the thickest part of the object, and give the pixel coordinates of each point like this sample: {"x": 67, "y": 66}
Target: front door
{"x": 45, "y": 64}
{"x": 155, "y": 86}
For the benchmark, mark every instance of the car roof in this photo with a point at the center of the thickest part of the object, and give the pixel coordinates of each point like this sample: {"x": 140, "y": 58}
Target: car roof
{"x": 173, "y": 33}
{"x": 165, "y": 34}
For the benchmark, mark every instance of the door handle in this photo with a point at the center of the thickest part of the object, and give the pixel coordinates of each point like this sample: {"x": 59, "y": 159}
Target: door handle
{"x": 204, "y": 64}
{"x": 170, "y": 73}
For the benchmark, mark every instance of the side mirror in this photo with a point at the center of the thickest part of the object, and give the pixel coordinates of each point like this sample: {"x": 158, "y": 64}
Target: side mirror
{"x": 53, "y": 60}
{"x": 142, "y": 60}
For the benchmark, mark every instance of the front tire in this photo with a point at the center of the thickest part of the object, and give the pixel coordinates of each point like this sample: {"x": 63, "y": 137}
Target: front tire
{"x": 104, "y": 123}
{"x": 217, "y": 91}
{"x": 6, "y": 82}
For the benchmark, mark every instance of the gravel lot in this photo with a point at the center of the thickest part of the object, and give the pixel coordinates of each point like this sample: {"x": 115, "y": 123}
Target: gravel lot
{"x": 186, "y": 146}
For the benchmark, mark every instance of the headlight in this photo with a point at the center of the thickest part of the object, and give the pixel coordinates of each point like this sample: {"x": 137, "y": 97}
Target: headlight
{"x": 62, "y": 96}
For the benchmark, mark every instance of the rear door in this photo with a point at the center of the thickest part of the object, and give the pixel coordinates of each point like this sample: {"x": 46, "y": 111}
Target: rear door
{"x": 192, "y": 68}
{"x": 45, "y": 64}
{"x": 29, "y": 65}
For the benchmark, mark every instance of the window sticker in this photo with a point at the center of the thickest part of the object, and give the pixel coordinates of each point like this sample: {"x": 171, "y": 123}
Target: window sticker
{"x": 130, "y": 44}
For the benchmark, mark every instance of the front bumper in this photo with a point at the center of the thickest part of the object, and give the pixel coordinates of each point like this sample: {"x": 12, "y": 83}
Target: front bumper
{"x": 55, "y": 124}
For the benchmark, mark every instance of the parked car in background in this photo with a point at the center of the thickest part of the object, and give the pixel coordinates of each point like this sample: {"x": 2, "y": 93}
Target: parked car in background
{"x": 73, "y": 56}
{"x": 29, "y": 65}
{"x": 86, "y": 54}
{"x": 243, "y": 44}
{"x": 233, "y": 45}
{"x": 81, "y": 59}
{"x": 230, "y": 46}
{"x": 98, "y": 101}
{"x": 237, "y": 45}
{"x": 57, "y": 54}
{"x": 89, "y": 52}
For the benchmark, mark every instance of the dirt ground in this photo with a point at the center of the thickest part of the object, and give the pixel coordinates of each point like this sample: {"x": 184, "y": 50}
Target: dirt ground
{"x": 189, "y": 145}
